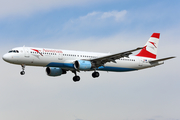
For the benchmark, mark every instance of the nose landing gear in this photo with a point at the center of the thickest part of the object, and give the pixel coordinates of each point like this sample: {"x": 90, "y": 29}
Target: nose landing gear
{"x": 23, "y": 68}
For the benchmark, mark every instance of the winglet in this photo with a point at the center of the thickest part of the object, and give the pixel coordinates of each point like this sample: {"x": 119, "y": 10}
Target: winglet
{"x": 139, "y": 48}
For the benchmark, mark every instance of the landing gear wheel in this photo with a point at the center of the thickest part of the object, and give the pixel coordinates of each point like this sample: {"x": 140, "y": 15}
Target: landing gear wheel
{"x": 22, "y": 72}
{"x": 76, "y": 78}
{"x": 95, "y": 74}
{"x": 23, "y": 68}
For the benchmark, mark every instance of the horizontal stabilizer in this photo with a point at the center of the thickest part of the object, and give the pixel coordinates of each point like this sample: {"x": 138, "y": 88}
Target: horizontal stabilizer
{"x": 158, "y": 60}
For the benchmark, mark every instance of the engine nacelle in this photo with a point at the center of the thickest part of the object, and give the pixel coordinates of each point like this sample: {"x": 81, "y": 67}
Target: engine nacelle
{"x": 54, "y": 71}
{"x": 82, "y": 65}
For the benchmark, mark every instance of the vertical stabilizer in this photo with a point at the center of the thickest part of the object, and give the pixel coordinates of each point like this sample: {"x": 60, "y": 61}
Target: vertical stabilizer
{"x": 150, "y": 48}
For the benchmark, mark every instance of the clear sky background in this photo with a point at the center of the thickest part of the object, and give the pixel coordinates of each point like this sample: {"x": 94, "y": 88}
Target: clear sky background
{"x": 90, "y": 25}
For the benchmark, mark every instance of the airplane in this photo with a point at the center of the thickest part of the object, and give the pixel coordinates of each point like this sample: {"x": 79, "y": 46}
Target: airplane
{"x": 59, "y": 61}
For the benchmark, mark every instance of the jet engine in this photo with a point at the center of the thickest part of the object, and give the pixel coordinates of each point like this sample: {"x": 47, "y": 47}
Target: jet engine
{"x": 55, "y": 71}
{"x": 82, "y": 65}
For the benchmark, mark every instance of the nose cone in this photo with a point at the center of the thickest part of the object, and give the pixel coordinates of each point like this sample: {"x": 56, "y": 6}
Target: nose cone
{"x": 6, "y": 57}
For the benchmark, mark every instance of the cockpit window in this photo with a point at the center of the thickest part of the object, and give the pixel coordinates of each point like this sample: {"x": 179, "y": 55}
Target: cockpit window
{"x": 13, "y": 51}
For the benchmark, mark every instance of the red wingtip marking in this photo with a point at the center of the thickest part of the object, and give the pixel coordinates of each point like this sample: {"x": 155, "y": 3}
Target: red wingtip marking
{"x": 155, "y": 35}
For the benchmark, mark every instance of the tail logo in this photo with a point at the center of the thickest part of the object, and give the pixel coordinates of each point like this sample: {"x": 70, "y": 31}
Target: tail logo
{"x": 153, "y": 44}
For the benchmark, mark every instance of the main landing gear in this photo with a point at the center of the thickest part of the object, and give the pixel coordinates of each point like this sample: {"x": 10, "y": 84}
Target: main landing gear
{"x": 95, "y": 74}
{"x": 76, "y": 78}
{"x": 23, "y": 68}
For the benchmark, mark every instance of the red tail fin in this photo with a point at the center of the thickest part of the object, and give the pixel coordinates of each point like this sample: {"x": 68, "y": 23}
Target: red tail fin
{"x": 150, "y": 48}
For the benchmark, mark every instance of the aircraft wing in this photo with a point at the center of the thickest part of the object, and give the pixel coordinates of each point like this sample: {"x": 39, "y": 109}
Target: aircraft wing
{"x": 158, "y": 60}
{"x": 100, "y": 61}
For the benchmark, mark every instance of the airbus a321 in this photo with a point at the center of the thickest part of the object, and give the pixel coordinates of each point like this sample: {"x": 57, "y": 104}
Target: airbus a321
{"x": 58, "y": 61}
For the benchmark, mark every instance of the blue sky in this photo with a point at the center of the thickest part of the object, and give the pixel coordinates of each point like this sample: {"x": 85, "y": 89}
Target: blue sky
{"x": 90, "y": 25}
{"x": 62, "y": 22}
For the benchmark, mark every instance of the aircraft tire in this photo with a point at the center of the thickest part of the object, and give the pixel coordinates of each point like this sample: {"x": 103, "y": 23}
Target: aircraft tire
{"x": 95, "y": 74}
{"x": 22, "y": 72}
{"x": 76, "y": 78}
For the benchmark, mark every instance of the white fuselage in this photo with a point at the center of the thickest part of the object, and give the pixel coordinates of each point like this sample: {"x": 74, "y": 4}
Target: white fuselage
{"x": 65, "y": 59}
